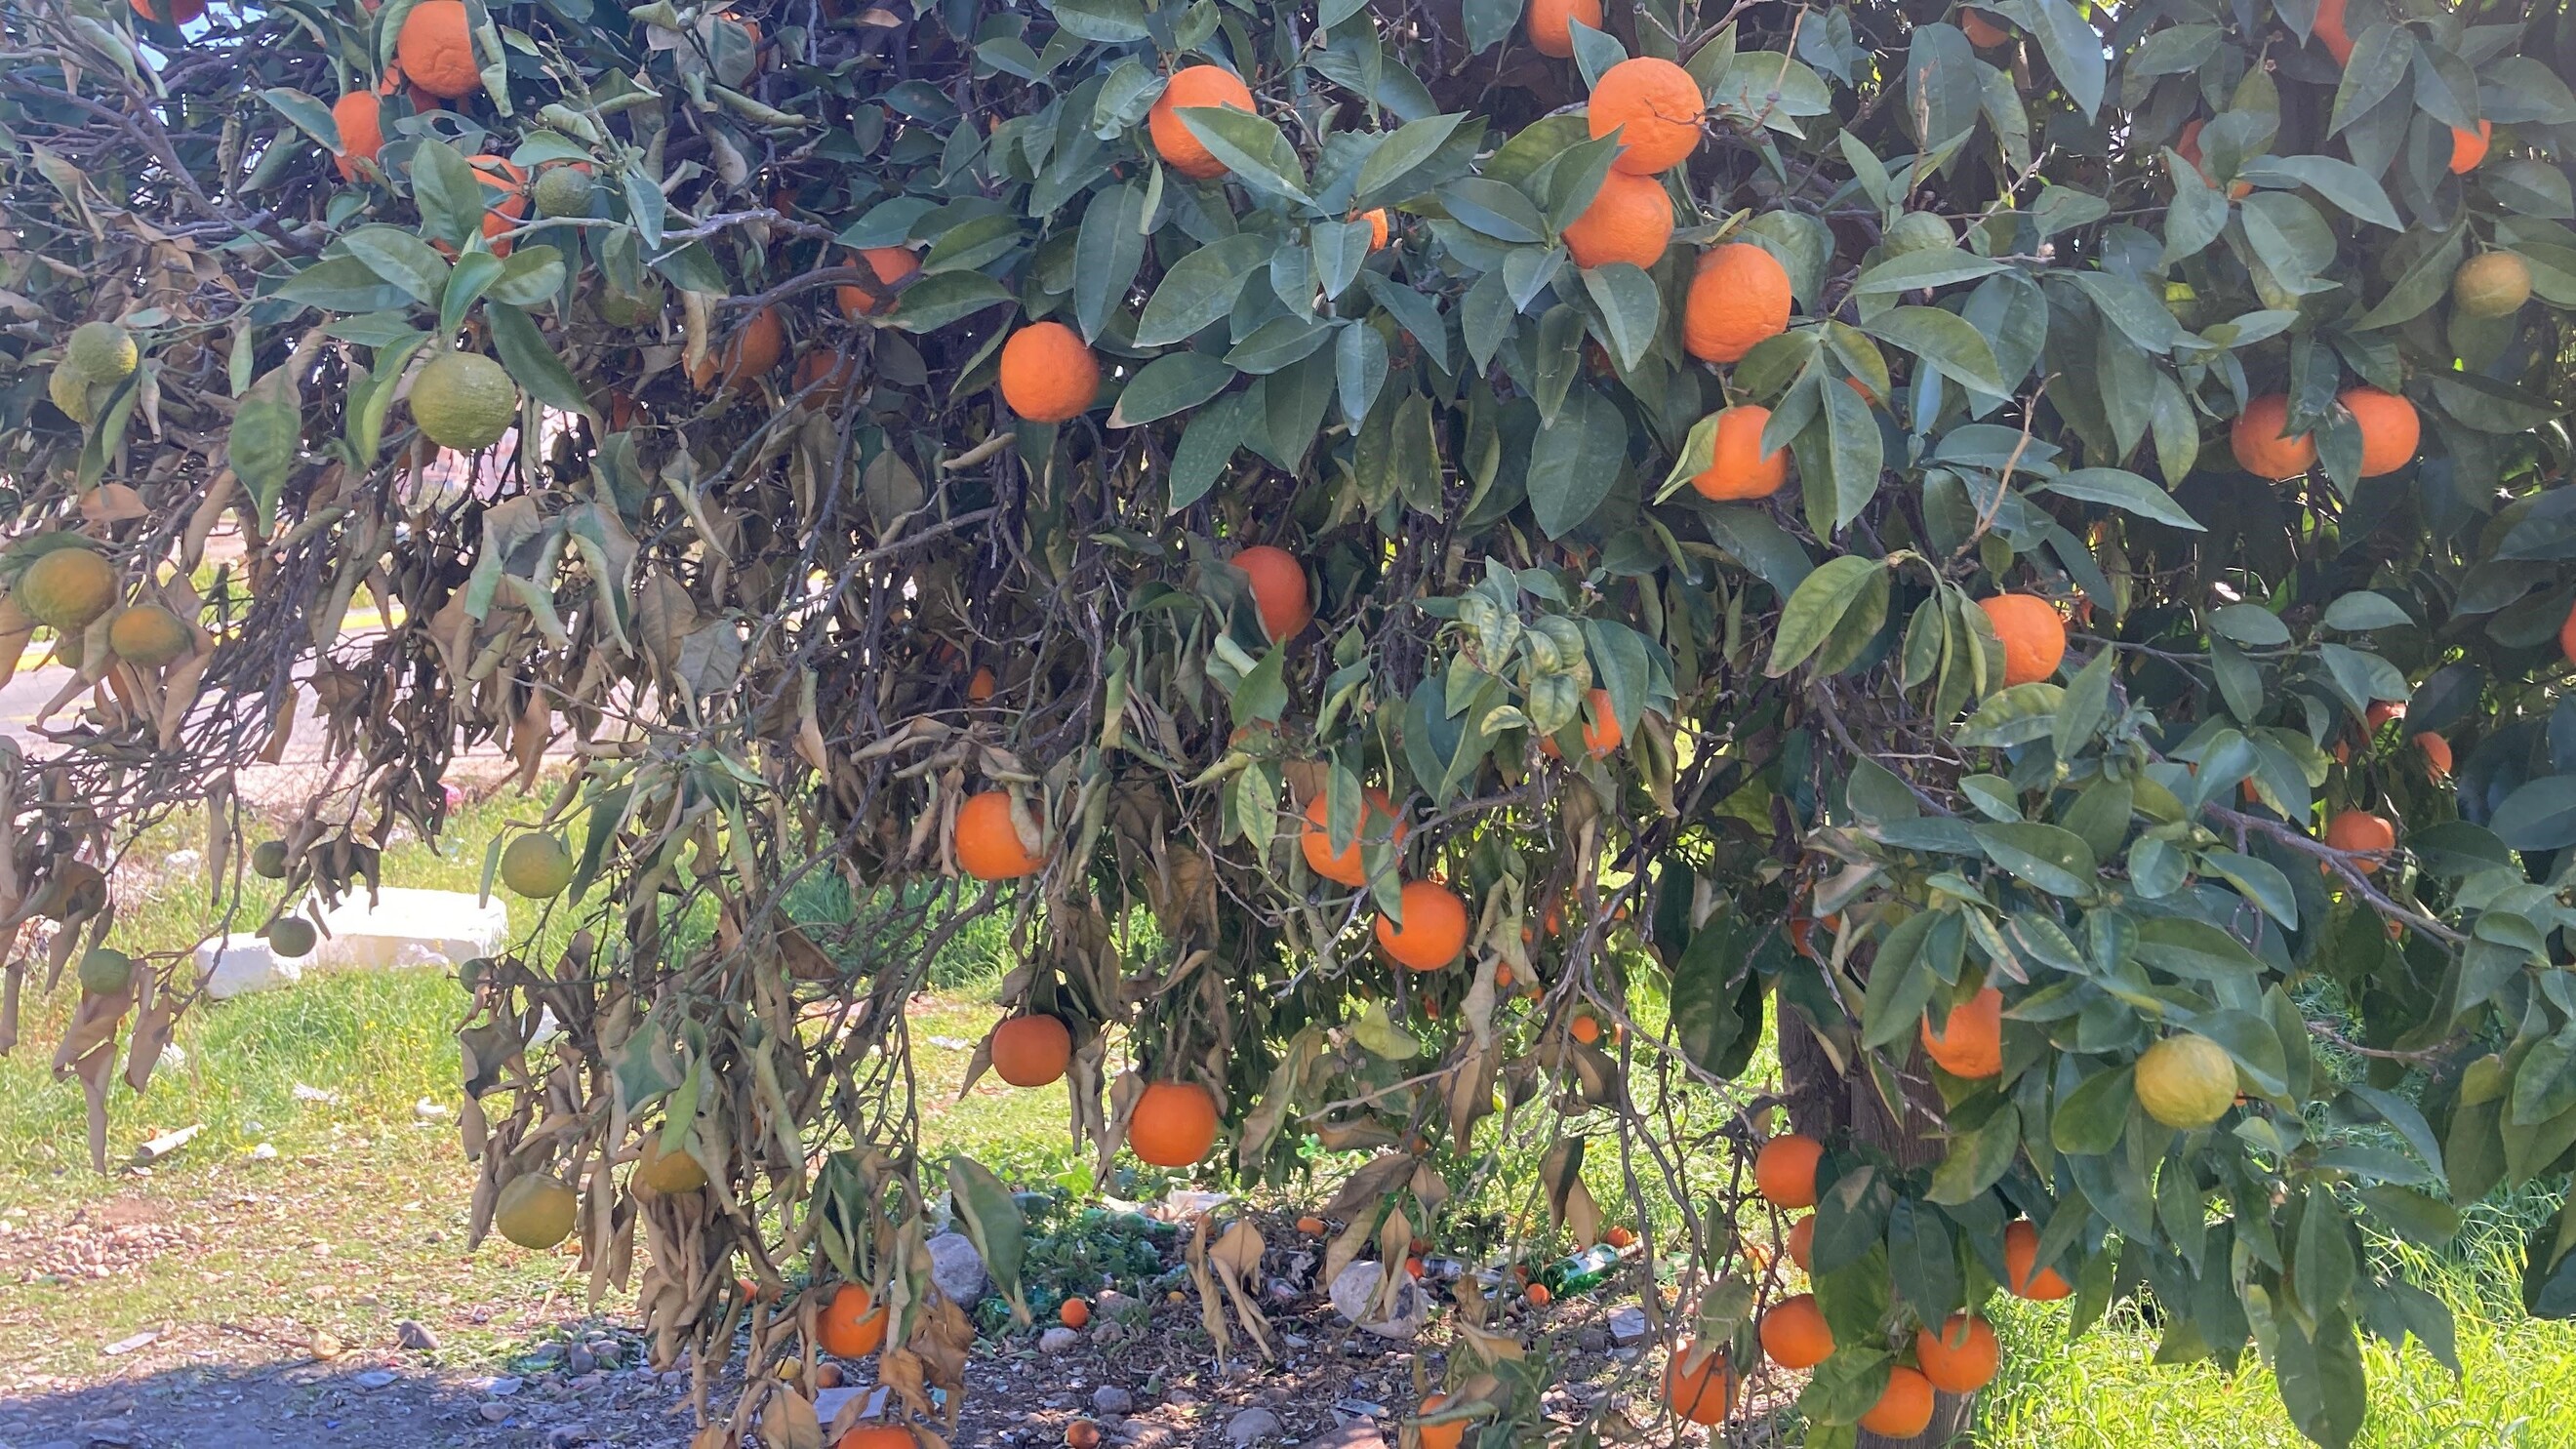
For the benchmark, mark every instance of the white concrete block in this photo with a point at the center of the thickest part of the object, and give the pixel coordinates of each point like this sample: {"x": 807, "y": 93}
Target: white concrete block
{"x": 410, "y": 928}
{"x": 238, "y": 964}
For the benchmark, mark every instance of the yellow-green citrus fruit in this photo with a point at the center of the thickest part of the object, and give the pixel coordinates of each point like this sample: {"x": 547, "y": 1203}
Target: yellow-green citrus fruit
{"x": 291, "y": 936}
{"x": 536, "y": 866}
{"x": 102, "y": 352}
{"x": 668, "y": 1173}
{"x": 69, "y": 388}
{"x": 2494, "y": 284}
{"x": 150, "y": 635}
{"x": 105, "y": 971}
{"x": 562, "y": 191}
{"x": 2186, "y": 1081}
{"x": 628, "y": 309}
{"x": 67, "y": 588}
{"x": 463, "y": 400}
{"x": 535, "y": 1211}
{"x": 268, "y": 858}
{"x": 1916, "y": 231}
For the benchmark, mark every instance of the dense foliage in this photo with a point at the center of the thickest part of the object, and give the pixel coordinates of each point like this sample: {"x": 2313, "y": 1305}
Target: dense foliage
{"x": 2237, "y": 333}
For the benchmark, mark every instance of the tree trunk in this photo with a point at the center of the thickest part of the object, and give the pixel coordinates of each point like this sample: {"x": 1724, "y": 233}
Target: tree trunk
{"x": 1824, "y": 1105}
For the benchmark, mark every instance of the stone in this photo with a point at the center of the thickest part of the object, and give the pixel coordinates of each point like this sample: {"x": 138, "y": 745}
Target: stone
{"x": 376, "y": 1379}
{"x": 410, "y": 928}
{"x": 1252, "y": 1426}
{"x": 504, "y": 1386}
{"x": 1357, "y": 1434}
{"x": 416, "y": 1336}
{"x": 1589, "y": 1339}
{"x": 579, "y": 1362}
{"x": 493, "y": 1411}
{"x": 238, "y": 964}
{"x": 565, "y": 1436}
{"x": 1111, "y": 1399}
{"x": 1354, "y": 1295}
{"x": 1629, "y": 1326}
{"x": 1058, "y": 1340}
{"x": 957, "y": 1269}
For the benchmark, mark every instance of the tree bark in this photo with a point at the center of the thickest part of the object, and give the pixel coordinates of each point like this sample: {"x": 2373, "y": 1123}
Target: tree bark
{"x": 1824, "y": 1105}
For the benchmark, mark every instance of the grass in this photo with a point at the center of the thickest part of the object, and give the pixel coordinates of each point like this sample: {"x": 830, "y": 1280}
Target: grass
{"x": 358, "y": 1217}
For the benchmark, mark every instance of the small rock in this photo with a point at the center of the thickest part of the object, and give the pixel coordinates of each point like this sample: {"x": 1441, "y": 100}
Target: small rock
{"x": 324, "y": 1345}
{"x": 1111, "y": 1399}
{"x": 427, "y": 1110}
{"x": 60, "y": 1444}
{"x": 957, "y": 1269}
{"x": 505, "y": 1386}
{"x": 579, "y": 1362}
{"x": 1252, "y": 1426}
{"x": 564, "y": 1436}
{"x": 493, "y": 1411}
{"x": 1059, "y": 1340}
{"x": 376, "y": 1379}
{"x": 1357, "y": 1434}
{"x": 1628, "y": 1325}
{"x": 415, "y": 1336}
{"x": 263, "y": 1153}
{"x": 1589, "y": 1339}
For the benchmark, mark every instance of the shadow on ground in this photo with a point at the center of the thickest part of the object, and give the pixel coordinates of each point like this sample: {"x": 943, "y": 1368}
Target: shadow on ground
{"x": 349, "y": 1405}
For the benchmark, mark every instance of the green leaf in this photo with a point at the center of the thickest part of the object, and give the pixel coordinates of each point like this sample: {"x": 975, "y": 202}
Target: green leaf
{"x": 1494, "y": 208}
{"x": 2260, "y": 881}
{"x": 1359, "y": 369}
{"x": 1395, "y": 158}
{"x": 1630, "y": 306}
{"x": 1573, "y": 463}
{"x": 1110, "y": 22}
{"x": 1200, "y": 288}
{"x": 1207, "y": 445}
{"x": 2251, "y": 625}
{"x": 1251, "y": 147}
{"x": 934, "y": 302}
{"x": 341, "y": 284}
{"x": 530, "y": 277}
{"x": 2091, "y": 1118}
{"x": 1106, "y": 253}
{"x": 1168, "y": 384}
{"x": 400, "y": 258}
{"x": 450, "y": 196}
{"x": 2122, "y": 489}
{"x": 476, "y": 271}
{"x": 1931, "y": 267}
{"x": 1340, "y": 249}
{"x": 1947, "y": 342}
{"x": 1843, "y": 452}
{"x": 2363, "y": 610}
{"x": 2421, "y": 285}
{"x": 2074, "y": 51}
{"x": 1977, "y": 1159}
{"x": 2195, "y": 950}
{"x": 2349, "y": 187}
{"x": 309, "y": 115}
{"x": 2380, "y": 59}
{"x": 2128, "y": 304}
{"x": 2539, "y": 815}
{"x": 2325, "y": 1266}
{"x": 531, "y": 362}
{"x": 268, "y": 423}
{"x": 990, "y": 1218}
{"x": 2050, "y": 857}
{"x": 1821, "y": 600}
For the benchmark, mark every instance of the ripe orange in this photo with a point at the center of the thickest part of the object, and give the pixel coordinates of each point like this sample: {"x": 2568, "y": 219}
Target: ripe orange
{"x": 1174, "y": 1124}
{"x": 1413, "y": 1267}
{"x": 1073, "y": 1313}
{"x": 1795, "y": 1335}
{"x": 1962, "y": 1357}
{"x": 2359, "y": 830}
{"x": 1031, "y": 1051}
{"x": 1904, "y": 1410}
{"x": 1970, "y": 1043}
{"x": 831, "y": 373}
{"x": 1785, "y": 1170}
{"x": 1312, "y": 1226}
{"x": 892, "y": 266}
{"x": 1194, "y": 88}
{"x": 2381, "y": 711}
{"x": 1982, "y": 33}
{"x": 437, "y": 51}
{"x": 1550, "y": 24}
{"x": 2468, "y": 148}
{"x": 1701, "y": 1395}
{"x": 1278, "y": 589}
{"x": 878, "y": 1436}
{"x": 362, "y": 131}
{"x": 180, "y": 12}
{"x": 1048, "y": 373}
{"x": 508, "y": 206}
{"x": 1082, "y": 1434}
{"x": 2567, "y": 636}
{"x": 2390, "y": 429}
{"x": 851, "y": 1325}
{"x": 1378, "y": 226}
{"x": 2034, "y": 637}
{"x": 755, "y": 347}
{"x": 1439, "y": 1436}
{"x": 1585, "y": 1030}
{"x": 2437, "y": 752}
{"x": 988, "y": 848}
{"x": 2262, "y": 446}
{"x": 2330, "y": 30}
{"x": 1434, "y": 929}
{"x": 1630, "y": 220}
{"x": 1801, "y": 1242}
{"x": 1738, "y": 297}
{"x": 1737, "y": 466}
{"x": 980, "y": 685}
{"x": 2021, "y": 1254}
{"x": 1343, "y": 867}
{"x": 1654, "y": 106}
{"x": 1539, "y": 1296}
{"x": 1619, "y": 1236}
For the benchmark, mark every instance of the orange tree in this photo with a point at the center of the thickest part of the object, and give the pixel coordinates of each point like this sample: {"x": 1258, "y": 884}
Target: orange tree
{"x": 1378, "y": 537}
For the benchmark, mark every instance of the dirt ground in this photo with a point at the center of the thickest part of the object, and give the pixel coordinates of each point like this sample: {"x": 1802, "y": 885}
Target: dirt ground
{"x": 1145, "y": 1374}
